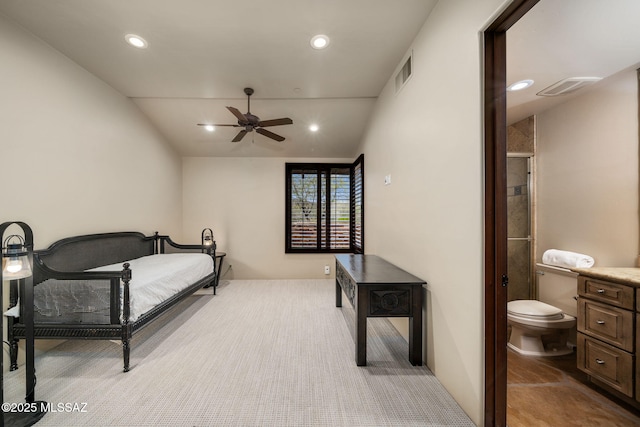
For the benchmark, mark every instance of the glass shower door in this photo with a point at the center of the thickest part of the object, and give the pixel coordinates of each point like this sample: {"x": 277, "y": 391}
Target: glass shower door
{"x": 519, "y": 240}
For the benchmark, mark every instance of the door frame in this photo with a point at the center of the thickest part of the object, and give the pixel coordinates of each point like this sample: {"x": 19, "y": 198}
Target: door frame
{"x": 495, "y": 211}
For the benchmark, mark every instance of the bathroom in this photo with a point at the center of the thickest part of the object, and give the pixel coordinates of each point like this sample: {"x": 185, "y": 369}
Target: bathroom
{"x": 572, "y": 184}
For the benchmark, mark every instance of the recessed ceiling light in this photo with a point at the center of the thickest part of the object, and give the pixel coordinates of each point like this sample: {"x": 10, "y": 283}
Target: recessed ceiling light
{"x": 313, "y": 128}
{"x": 136, "y": 41}
{"x": 320, "y": 41}
{"x": 210, "y": 128}
{"x": 522, "y": 84}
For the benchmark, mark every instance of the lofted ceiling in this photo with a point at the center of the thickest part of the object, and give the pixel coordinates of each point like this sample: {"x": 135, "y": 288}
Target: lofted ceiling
{"x": 202, "y": 53}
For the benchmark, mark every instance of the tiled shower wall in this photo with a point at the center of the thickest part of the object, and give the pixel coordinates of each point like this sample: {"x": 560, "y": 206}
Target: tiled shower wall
{"x": 521, "y": 143}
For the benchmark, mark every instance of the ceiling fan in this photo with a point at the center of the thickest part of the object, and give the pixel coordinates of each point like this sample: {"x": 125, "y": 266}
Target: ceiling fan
{"x": 250, "y": 122}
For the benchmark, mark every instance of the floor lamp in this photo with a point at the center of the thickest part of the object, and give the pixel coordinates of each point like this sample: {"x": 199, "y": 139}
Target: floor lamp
{"x": 17, "y": 262}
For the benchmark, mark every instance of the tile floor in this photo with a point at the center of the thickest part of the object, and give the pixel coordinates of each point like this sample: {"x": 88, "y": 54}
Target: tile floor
{"x": 551, "y": 391}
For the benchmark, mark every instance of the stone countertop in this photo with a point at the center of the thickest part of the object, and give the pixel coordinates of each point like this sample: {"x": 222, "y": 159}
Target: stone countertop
{"x": 625, "y": 275}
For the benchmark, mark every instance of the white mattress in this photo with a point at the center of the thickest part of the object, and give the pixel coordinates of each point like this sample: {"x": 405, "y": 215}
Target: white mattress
{"x": 155, "y": 278}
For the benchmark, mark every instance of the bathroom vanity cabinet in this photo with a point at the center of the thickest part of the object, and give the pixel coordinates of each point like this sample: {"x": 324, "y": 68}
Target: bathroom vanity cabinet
{"x": 609, "y": 329}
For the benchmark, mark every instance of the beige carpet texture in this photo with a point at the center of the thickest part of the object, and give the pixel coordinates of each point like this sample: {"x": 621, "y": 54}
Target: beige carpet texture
{"x": 260, "y": 353}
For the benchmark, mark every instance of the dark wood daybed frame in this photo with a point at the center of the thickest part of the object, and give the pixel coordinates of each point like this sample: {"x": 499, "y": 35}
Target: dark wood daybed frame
{"x": 67, "y": 259}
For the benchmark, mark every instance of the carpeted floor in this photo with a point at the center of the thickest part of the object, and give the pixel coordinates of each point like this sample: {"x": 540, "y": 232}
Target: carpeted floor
{"x": 260, "y": 353}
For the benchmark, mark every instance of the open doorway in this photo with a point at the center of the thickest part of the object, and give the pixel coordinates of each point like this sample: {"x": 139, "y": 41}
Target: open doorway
{"x": 496, "y": 279}
{"x": 496, "y": 246}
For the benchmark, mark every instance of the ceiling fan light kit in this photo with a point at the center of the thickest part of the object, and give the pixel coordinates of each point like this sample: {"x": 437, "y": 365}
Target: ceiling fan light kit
{"x": 250, "y": 122}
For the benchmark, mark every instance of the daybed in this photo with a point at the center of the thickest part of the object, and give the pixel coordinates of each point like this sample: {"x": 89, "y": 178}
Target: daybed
{"x": 109, "y": 286}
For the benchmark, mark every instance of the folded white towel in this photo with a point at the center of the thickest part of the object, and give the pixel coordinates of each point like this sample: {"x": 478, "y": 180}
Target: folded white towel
{"x": 567, "y": 259}
{"x": 13, "y": 311}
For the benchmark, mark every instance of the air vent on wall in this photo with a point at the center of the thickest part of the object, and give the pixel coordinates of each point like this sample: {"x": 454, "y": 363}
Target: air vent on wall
{"x": 569, "y": 85}
{"x": 404, "y": 74}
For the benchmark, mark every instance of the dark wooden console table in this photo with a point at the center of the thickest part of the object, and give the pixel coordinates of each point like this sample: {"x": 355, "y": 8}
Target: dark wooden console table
{"x": 377, "y": 288}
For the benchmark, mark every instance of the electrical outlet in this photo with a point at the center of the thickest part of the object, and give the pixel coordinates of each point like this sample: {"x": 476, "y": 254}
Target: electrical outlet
{"x": 327, "y": 269}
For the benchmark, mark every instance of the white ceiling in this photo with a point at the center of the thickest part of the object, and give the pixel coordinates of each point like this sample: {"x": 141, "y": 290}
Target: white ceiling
{"x": 202, "y": 53}
{"x": 570, "y": 38}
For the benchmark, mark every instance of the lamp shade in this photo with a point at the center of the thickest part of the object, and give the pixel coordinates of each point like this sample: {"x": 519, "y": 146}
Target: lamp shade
{"x": 15, "y": 259}
{"x": 207, "y": 237}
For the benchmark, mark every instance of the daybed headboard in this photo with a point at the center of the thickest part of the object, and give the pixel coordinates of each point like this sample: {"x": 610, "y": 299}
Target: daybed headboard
{"x": 94, "y": 250}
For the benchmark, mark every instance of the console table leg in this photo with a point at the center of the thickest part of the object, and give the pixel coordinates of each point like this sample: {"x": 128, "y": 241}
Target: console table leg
{"x": 362, "y": 309}
{"x": 415, "y": 327}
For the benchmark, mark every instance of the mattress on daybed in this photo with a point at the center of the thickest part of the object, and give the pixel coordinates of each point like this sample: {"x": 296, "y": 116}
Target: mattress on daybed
{"x": 154, "y": 279}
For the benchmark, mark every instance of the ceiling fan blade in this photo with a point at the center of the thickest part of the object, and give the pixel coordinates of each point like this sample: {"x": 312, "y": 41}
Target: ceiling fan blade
{"x": 213, "y": 124}
{"x": 239, "y": 136}
{"x": 275, "y": 122}
{"x": 269, "y": 134}
{"x": 241, "y": 117}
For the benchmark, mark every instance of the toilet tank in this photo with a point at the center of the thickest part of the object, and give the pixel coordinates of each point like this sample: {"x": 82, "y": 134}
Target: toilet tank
{"x": 558, "y": 287}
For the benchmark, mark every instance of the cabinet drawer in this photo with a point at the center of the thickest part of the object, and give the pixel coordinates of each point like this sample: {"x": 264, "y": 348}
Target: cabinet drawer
{"x": 606, "y": 363}
{"x": 610, "y": 324}
{"x": 607, "y": 292}
{"x": 637, "y": 358}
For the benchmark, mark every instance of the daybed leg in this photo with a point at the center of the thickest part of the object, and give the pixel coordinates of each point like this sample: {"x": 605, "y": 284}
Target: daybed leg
{"x": 13, "y": 354}
{"x": 126, "y": 311}
{"x": 126, "y": 351}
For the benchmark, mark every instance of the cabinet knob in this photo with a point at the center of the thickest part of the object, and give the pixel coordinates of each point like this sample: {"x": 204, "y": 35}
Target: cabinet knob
{"x": 601, "y": 291}
{"x": 600, "y": 361}
{"x": 600, "y": 322}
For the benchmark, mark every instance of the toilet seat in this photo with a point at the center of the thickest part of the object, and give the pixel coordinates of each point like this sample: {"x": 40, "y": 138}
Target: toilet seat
{"x": 534, "y": 310}
{"x": 539, "y": 314}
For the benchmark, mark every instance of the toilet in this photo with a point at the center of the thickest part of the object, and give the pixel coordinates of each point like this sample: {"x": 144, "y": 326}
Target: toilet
{"x": 544, "y": 327}
{"x": 538, "y": 329}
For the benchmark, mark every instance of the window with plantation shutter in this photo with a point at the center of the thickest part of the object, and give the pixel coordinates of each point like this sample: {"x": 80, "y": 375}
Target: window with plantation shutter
{"x": 357, "y": 205}
{"x": 324, "y": 209}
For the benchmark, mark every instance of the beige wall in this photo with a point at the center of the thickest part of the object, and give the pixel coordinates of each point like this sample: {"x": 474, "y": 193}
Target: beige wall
{"x": 81, "y": 157}
{"x": 429, "y": 221}
{"x": 243, "y": 201}
{"x": 587, "y": 173}
{"x": 88, "y": 160}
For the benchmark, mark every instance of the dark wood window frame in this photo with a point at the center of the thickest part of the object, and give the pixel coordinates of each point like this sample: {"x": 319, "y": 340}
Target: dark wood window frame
{"x": 356, "y": 206}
